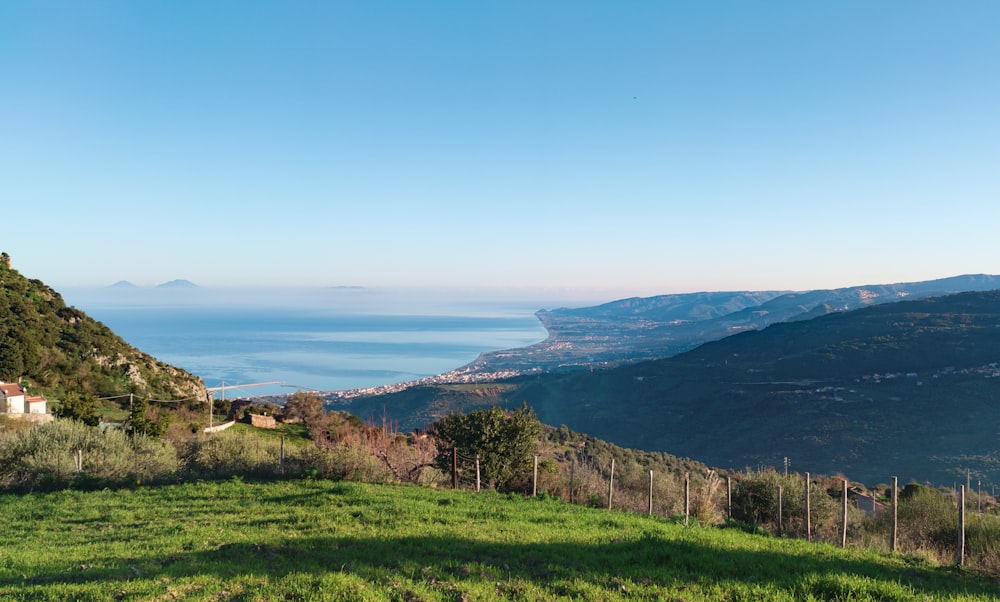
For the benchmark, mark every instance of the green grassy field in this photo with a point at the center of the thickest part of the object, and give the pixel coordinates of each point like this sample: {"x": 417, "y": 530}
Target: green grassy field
{"x": 322, "y": 540}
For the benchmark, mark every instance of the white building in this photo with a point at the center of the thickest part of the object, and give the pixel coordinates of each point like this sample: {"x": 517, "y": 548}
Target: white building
{"x": 16, "y": 403}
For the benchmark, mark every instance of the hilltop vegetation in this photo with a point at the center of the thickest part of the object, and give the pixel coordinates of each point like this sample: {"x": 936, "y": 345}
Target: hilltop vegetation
{"x": 58, "y": 349}
{"x": 905, "y": 388}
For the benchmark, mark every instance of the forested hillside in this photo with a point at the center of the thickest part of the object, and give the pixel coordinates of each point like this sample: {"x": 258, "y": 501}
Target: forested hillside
{"x": 58, "y": 349}
{"x": 907, "y": 388}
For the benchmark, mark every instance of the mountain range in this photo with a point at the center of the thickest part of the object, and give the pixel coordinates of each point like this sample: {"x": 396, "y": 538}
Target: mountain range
{"x": 636, "y": 329}
{"x": 909, "y": 388}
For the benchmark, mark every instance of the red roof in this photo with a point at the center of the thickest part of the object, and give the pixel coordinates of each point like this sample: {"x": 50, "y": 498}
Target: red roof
{"x": 11, "y": 389}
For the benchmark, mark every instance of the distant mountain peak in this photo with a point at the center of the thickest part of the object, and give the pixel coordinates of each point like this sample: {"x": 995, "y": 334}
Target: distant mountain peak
{"x": 123, "y": 284}
{"x": 180, "y": 283}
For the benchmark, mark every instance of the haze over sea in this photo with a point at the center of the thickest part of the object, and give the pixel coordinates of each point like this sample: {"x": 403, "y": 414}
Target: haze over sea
{"x": 325, "y": 339}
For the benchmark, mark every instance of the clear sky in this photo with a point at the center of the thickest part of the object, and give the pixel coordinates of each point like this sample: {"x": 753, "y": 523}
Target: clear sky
{"x": 644, "y": 147}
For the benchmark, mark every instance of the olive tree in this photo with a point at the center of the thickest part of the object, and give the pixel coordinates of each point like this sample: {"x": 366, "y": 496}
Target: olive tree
{"x": 504, "y": 441}
{"x": 304, "y": 407}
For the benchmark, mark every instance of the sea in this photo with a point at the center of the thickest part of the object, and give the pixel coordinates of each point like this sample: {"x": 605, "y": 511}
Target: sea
{"x": 320, "y": 340}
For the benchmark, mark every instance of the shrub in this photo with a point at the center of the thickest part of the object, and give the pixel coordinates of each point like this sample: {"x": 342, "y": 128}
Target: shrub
{"x": 340, "y": 462}
{"x": 46, "y": 456}
{"x": 928, "y": 521}
{"x": 982, "y": 542}
{"x": 755, "y": 502}
{"x": 231, "y": 453}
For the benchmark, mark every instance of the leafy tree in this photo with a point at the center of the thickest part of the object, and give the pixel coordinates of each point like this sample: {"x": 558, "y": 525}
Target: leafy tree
{"x": 305, "y": 407}
{"x": 140, "y": 421}
{"x": 11, "y": 359}
{"x": 504, "y": 441}
{"x": 82, "y": 408}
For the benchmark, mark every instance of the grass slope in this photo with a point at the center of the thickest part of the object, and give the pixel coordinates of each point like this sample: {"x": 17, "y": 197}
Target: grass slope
{"x": 346, "y": 541}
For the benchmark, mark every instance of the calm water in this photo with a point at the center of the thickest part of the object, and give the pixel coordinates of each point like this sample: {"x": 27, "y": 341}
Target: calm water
{"x": 314, "y": 348}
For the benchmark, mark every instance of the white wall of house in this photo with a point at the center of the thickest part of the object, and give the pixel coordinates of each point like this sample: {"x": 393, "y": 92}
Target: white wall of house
{"x": 14, "y": 403}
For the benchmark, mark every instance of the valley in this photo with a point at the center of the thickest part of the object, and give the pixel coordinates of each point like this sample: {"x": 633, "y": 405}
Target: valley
{"x": 906, "y": 388}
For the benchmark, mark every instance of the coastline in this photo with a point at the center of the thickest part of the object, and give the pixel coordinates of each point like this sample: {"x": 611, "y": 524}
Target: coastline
{"x": 477, "y": 371}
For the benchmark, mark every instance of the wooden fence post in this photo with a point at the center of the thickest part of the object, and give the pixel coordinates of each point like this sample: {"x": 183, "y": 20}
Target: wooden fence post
{"x": 454, "y": 468}
{"x": 687, "y": 497}
{"x": 478, "y": 479}
{"x": 729, "y": 498}
{"x": 572, "y": 471}
{"x": 651, "y": 493}
{"x": 961, "y": 525}
{"x": 808, "y": 508}
{"x": 779, "y": 510}
{"x": 611, "y": 483}
{"x": 893, "y": 542}
{"x": 534, "y": 479}
{"x": 281, "y": 460}
{"x": 843, "y": 532}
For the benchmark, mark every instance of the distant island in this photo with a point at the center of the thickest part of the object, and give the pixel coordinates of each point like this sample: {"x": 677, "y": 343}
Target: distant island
{"x": 178, "y": 284}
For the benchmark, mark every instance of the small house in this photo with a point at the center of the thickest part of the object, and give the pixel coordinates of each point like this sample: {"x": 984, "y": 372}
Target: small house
{"x": 36, "y": 404}
{"x": 12, "y": 398}
{"x": 16, "y": 403}
{"x": 868, "y": 504}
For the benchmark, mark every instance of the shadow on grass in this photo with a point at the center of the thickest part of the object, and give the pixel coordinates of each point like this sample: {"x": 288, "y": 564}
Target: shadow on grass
{"x": 651, "y": 562}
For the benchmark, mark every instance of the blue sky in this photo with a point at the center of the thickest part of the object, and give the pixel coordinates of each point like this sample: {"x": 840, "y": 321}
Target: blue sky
{"x": 636, "y": 148}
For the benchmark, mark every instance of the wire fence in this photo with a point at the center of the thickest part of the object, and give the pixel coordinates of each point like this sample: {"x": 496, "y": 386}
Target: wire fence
{"x": 945, "y": 525}
{"x": 960, "y": 525}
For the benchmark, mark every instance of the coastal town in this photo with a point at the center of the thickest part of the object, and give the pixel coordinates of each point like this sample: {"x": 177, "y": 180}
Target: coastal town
{"x": 464, "y": 375}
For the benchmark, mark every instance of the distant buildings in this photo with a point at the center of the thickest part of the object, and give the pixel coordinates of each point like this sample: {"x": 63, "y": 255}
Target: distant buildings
{"x": 16, "y": 403}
